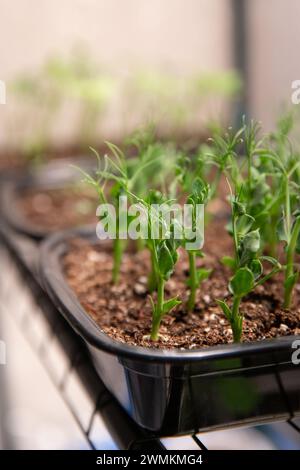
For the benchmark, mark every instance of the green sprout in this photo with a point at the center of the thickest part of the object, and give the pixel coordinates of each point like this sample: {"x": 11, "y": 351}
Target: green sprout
{"x": 164, "y": 256}
{"x": 284, "y": 165}
{"x": 268, "y": 194}
{"x": 255, "y": 183}
{"x": 39, "y": 102}
{"x": 79, "y": 79}
{"x": 199, "y": 195}
{"x": 119, "y": 181}
{"x": 154, "y": 197}
{"x": 125, "y": 176}
{"x": 293, "y": 246}
{"x": 247, "y": 264}
{"x": 264, "y": 174}
{"x": 222, "y": 154}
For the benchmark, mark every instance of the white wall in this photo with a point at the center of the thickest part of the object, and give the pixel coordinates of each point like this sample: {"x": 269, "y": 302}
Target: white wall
{"x": 179, "y": 35}
{"x": 274, "y": 41}
{"x": 183, "y": 33}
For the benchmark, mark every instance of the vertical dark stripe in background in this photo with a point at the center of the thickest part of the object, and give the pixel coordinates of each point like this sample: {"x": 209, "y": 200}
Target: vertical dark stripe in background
{"x": 240, "y": 54}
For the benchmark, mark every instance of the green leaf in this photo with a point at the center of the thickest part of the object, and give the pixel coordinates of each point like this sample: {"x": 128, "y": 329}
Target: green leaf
{"x": 249, "y": 247}
{"x": 200, "y": 192}
{"x": 242, "y": 282}
{"x": 229, "y": 262}
{"x": 291, "y": 281}
{"x": 116, "y": 190}
{"x": 203, "y": 274}
{"x": 226, "y": 309}
{"x": 256, "y": 267}
{"x": 262, "y": 218}
{"x": 298, "y": 239}
{"x": 260, "y": 189}
{"x": 281, "y": 232}
{"x": 244, "y": 224}
{"x": 199, "y": 253}
{"x": 154, "y": 197}
{"x": 172, "y": 245}
{"x": 170, "y": 304}
{"x": 198, "y": 186}
{"x": 165, "y": 261}
{"x": 238, "y": 208}
{"x": 152, "y": 305}
{"x": 251, "y": 241}
{"x": 298, "y": 244}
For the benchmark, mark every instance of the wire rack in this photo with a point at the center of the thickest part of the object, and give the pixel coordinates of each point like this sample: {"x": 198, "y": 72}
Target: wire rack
{"x": 66, "y": 360}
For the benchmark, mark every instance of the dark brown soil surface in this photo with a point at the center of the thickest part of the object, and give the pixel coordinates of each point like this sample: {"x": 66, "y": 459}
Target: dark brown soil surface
{"x": 123, "y": 311}
{"x": 55, "y": 209}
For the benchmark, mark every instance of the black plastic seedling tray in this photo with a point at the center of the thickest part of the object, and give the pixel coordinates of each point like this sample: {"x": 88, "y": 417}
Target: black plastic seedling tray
{"x": 24, "y": 255}
{"x": 52, "y": 175}
{"x": 173, "y": 392}
{"x": 167, "y": 392}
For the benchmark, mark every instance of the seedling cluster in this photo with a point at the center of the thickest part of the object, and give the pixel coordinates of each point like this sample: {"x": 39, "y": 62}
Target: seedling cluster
{"x": 262, "y": 175}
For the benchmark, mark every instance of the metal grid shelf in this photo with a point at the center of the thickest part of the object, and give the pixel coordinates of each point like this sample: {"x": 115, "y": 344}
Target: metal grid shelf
{"x": 66, "y": 360}
{"x": 63, "y": 354}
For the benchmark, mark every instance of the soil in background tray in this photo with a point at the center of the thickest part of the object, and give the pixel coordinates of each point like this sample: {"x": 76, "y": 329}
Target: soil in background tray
{"x": 18, "y": 159}
{"x": 123, "y": 311}
{"x": 75, "y": 205}
{"x": 54, "y": 209}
